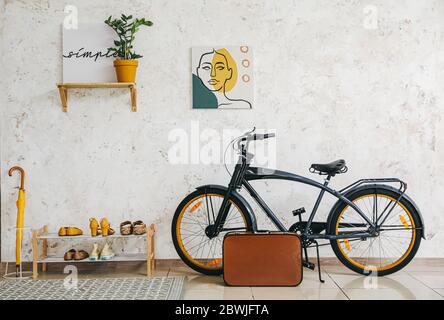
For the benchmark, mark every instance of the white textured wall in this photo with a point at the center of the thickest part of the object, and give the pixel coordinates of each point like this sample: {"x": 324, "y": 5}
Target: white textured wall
{"x": 329, "y": 86}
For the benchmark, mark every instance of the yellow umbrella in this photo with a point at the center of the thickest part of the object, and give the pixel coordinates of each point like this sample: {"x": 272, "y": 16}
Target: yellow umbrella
{"x": 20, "y": 217}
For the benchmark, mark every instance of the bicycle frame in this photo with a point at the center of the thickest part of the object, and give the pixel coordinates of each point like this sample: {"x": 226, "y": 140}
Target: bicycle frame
{"x": 243, "y": 173}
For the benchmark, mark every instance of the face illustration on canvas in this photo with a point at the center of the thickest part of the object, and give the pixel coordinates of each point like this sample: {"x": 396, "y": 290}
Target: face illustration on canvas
{"x": 214, "y": 71}
{"x": 218, "y": 73}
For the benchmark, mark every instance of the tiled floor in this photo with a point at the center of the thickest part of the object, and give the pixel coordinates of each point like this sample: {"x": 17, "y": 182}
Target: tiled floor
{"x": 340, "y": 284}
{"x": 417, "y": 281}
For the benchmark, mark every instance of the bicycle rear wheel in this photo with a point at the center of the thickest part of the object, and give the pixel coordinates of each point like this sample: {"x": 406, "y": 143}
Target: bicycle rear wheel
{"x": 398, "y": 239}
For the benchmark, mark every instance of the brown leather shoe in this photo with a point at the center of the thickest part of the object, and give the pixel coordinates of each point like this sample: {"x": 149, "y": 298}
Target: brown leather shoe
{"x": 69, "y": 255}
{"x": 80, "y": 255}
{"x": 139, "y": 227}
{"x": 126, "y": 228}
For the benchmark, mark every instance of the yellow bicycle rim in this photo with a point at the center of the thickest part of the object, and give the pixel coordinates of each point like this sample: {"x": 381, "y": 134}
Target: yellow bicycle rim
{"x": 192, "y": 206}
{"x": 344, "y": 244}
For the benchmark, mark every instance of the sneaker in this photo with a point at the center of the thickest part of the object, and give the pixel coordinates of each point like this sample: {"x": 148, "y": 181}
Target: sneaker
{"x": 94, "y": 253}
{"x": 107, "y": 253}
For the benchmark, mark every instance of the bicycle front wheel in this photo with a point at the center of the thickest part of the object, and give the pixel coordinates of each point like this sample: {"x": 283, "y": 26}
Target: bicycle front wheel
{"x": 398, "y": 239}
{"x": 193, "y": 215}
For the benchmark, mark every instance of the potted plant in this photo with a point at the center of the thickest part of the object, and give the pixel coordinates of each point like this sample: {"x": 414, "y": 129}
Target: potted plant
{"x": 126, "y": 28}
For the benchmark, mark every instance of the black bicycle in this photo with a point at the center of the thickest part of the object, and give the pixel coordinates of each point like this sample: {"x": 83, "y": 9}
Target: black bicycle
{"x": 373, "y": 228}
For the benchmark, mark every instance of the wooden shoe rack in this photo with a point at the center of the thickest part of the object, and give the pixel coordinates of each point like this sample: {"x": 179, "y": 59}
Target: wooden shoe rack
{"x": 41, "y": 238}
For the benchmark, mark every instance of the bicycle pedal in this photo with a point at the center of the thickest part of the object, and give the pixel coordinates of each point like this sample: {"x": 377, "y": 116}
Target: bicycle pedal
{"x": 299, "y": 211}
{"x": 309, "y": 265}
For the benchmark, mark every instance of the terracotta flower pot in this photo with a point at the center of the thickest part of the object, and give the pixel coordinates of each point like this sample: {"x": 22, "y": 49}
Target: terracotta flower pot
{"x": 126, "y": 70}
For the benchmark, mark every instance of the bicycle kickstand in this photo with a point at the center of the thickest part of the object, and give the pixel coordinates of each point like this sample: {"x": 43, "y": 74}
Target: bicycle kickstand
{"x": 319, "y": 262}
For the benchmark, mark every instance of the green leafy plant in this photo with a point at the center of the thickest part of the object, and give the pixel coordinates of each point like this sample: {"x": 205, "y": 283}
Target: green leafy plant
{"x": 126, "y": 28}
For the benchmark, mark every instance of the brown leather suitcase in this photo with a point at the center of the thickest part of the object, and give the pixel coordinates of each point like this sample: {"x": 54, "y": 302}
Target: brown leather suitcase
{"x": 262, "y": 259}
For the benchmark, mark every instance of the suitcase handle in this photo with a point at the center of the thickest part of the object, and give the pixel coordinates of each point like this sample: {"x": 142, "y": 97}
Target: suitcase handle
{"x": 262, "y": 231}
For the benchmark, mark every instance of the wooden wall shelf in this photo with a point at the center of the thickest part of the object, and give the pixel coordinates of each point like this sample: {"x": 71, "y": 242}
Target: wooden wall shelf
{"x": 63, "y": 90}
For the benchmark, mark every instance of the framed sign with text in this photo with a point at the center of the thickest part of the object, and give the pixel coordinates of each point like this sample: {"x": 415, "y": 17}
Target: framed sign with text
{"x": 85, "y": 53}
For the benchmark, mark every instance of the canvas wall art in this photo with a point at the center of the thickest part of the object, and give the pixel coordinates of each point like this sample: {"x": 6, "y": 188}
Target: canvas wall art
{"x": 85, "y": 53}
{"x": 222, "y": 77}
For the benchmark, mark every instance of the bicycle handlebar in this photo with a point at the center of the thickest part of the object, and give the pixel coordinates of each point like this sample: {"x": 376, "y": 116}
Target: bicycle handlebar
{"x": 258, "y": 136}
{"x": 244, "y": 140}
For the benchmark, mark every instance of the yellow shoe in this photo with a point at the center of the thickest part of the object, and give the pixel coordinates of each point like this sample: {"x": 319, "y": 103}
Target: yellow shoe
{"x": 94, "y": 226}
{"x": 70, "y": 231}
{"x": 73, "y": 231}
{"x": 104, "y": 225}
{"x": 62, "y": 231}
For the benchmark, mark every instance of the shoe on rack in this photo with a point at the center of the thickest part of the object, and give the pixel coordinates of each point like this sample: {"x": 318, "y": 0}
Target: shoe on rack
{"x": 70, "y": 231}
{"x": 94, "y": 256}
{"x": 126, "y": 228}
{"x": 73, "y": 231}
{"x": 69, "y": 255}
{"x": 107, "y": 253}
{"x": 110, "y": 231}
{"x": 139, "y": 227}
{"x": 81, "y": 255}
{"x": 105, "y": 226}
{"x": 62, "y": 231}
{"x": 94, "y": 226}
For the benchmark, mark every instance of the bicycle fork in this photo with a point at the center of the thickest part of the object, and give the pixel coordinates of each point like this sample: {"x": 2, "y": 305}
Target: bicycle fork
{"x": 236, "y": 180}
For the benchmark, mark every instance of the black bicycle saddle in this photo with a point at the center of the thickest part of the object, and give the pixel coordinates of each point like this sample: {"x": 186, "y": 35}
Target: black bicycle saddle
{"x": 331, "y": 168}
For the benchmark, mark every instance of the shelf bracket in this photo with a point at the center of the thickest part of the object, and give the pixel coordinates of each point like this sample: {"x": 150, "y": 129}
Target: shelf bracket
{"x": 133, "y": 91}
{"x": 64, "y": 98}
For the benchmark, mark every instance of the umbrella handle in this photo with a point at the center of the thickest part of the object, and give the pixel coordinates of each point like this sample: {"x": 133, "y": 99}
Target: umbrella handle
{"x": 22, "y": 175}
